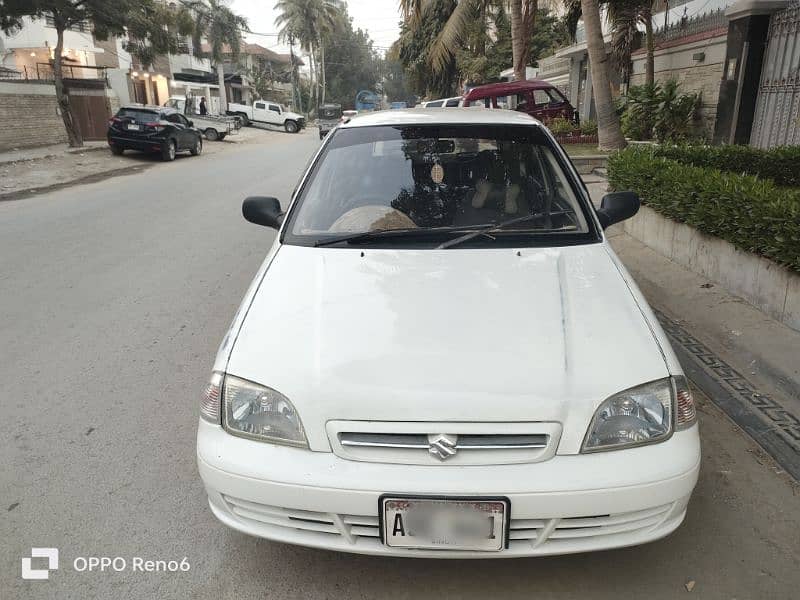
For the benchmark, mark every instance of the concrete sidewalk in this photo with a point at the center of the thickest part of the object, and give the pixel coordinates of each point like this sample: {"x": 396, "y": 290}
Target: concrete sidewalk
{"x": 747, "y": 362}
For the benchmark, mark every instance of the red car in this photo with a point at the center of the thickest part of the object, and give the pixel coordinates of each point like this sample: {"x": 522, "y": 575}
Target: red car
{"x": 533, "y": 96}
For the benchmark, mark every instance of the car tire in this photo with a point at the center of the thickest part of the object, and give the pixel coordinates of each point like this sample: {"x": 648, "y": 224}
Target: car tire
{"x": 212, "y": 135}
{"x": 169, "y": 150}
{"x": 291, "y": 127}
{"x": 198, "y": 146}
{"x": 245, "y": 119}
{"x": 117, "y": 151}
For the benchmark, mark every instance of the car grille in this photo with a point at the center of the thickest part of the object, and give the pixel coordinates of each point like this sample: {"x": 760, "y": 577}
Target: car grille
{"x": 351, "y": 527}
{"x": 553, "y": 533}
{"x": 444, "y": 443}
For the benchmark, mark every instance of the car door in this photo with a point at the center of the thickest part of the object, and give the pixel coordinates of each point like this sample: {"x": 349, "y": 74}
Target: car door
{"x": 260, "y": 112}
{"x": 179, "y": 127}
{"x": 275, "y": 115}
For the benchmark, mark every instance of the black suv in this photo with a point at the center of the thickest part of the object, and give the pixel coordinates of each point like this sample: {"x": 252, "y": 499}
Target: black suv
{"x": 153, "y": 129}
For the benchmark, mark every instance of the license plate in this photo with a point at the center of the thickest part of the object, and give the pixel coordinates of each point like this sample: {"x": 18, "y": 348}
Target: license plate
{"x": 444, "y": 523}
{"x": 133, "y": 127}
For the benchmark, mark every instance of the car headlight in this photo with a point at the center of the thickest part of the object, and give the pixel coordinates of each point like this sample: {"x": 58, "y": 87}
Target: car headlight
{"x": 260, "y": 413}
{"x": 641, "y": 415}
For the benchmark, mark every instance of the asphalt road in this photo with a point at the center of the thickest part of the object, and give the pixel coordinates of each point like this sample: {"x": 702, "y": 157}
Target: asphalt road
{"x": 113, "y": 299}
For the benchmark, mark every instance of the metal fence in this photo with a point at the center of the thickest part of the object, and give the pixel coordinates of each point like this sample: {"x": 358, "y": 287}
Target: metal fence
{"x": 690, "y": 26}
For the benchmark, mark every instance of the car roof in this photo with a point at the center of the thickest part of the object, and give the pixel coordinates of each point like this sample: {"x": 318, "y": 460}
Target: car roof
{"x": 452, "y": 116}
{"x": 150, "y": 107}
{"x": 508, "y": 87}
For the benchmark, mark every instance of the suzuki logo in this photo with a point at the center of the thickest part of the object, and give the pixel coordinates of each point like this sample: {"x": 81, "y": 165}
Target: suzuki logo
{"x": 51, "y": 554}
{"x": 442, "y": 446}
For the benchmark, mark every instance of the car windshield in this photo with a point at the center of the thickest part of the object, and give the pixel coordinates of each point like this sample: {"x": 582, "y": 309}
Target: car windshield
{"x": 430, "y": 182}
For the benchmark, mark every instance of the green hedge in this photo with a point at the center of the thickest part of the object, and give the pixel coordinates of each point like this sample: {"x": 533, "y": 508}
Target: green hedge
{"x": 753, "y": 214}
{"x": 782, "y": 164}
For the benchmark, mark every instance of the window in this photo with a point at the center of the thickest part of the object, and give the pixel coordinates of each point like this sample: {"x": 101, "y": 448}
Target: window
{"x": 541, "y": 97}
{"x": 453, "y": 102}
{"x": 260, "y": 105}
{"x": 138, "y": 115}
{"x": 275, "y": 108}
{"x": 436, "y": 104}
{"x": 82, "y": 26}
{"x": 437, "y": 180}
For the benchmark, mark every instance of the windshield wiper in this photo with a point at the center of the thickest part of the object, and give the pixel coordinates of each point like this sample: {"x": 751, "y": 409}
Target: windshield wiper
{"x": 488, "y": 230}
{"x": 379, "y": 233}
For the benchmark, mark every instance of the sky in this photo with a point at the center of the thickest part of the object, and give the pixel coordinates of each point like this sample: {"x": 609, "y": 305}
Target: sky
{"x": 379, "y": 17}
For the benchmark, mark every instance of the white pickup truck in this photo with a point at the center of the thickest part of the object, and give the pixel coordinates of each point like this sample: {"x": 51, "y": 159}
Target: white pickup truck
{"x": 269, "y": 113}
{"x": 213, "y": 127}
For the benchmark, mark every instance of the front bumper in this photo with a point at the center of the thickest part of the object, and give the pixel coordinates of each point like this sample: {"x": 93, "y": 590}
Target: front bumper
{"x": 563, "y": 505}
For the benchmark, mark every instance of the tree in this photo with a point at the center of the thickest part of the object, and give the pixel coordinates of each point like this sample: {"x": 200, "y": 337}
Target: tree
{"x": 418, "y": 36}
{"x": 625, "y": 17}
{"x": 222, "y": 30}
{"x": 608, "y": 129}
{"x": 523, "y": 17}
{"x": 148, "y": 21}
{"x": 352, "y": 64}
{"x": 311, "y": 23}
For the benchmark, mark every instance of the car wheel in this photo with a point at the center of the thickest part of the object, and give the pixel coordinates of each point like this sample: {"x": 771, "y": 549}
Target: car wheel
{"x": 290, "y": 126}
{"x": 117, "y": 151}
{"x": 245, "y": 119}
{"x": 198, "y": 146}
{"x": 169, "y": 150}
{"x": 212, "y": 135}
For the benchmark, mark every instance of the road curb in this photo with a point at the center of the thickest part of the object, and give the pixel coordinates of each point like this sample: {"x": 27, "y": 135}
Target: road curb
{"x": 769, "y": 423}
{"x": 93, "y": 178}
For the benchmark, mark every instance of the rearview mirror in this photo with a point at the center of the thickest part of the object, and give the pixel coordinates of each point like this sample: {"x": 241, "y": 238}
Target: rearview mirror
{"x": 263, "y": 210}
{"x": 616, "y": 207}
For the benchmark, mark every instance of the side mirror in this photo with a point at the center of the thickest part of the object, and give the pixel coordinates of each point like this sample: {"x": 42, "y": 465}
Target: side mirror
{"x": 191, "y": 123}
{"x": 263, "y": 210}
{"x": 616, "y": 207}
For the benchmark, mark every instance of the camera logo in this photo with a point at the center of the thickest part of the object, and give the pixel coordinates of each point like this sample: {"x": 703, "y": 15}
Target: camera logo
{"x": 51, "y": 554}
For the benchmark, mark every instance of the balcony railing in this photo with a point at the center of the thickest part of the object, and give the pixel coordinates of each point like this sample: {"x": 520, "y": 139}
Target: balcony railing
{"x": 43, "y": 72}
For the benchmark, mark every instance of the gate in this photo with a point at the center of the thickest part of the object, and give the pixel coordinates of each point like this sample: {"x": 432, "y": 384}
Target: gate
{"x": 777, "y": 115}
{"x": 91, "y": 115}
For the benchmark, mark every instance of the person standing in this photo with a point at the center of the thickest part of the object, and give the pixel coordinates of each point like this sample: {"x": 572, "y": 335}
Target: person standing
{"x": 203, "y": 109}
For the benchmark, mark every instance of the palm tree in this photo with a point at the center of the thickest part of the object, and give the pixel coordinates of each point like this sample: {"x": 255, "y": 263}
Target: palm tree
{"x": 523, "y": 15}
{"x": 625, "y": 16}
{"x": 222, "y": 29}
{"x": 608, "y": 129}
{"x": 523, "y": 18}
{"x": 311, "y": 23}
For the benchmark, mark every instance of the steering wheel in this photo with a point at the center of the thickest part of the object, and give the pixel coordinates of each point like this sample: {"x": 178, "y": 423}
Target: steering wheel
{"x": 371, "y": 217}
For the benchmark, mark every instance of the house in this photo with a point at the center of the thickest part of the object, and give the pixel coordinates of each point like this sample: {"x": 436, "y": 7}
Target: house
{"x": 29, "y": 112}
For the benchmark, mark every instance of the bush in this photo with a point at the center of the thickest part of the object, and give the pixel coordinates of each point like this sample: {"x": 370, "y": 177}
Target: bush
{"x": 660, "y": 112}
{"x": 561, "y": 126}
{"x": 752, "y": 214}
{"x": 588, "y": 127}
{"x": 782, "y": 164}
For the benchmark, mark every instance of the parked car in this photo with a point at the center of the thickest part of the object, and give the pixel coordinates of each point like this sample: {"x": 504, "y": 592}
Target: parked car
{"x": 441, "y": 356}
{"x": 158, "y": 129}
{"x": 537, "y": 98}
{"x": 269, "y": 113}
{"x": 398, "y": 105}
{"x": 328, "y": 117}
{"x": 214, "y": 127}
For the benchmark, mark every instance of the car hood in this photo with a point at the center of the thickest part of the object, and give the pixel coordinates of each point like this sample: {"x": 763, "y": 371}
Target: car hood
{"x": 478, "y": 335}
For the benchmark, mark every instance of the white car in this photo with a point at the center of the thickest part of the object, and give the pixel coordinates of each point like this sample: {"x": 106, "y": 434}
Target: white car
{"x": 268, "y": 113}
{"x": 442, "y": 357}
